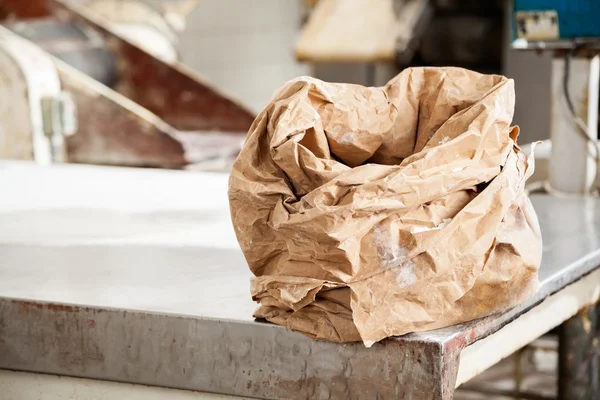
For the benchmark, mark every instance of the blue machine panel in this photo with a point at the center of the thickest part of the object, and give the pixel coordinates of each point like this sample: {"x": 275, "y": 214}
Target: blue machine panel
{"x": 556, "y": 19}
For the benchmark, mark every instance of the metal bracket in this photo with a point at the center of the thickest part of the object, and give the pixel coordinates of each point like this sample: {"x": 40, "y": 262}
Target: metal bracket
{"x": 59, "y": 118}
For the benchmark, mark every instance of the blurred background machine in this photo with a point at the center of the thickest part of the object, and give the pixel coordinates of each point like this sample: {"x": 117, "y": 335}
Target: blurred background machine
{"x": 98, "y": 82}
{"x": 570, "y": 32}
{"x": 388, "y": 35}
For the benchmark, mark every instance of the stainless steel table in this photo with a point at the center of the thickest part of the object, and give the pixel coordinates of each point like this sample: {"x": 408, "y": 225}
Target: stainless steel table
{"x": 181, "y": 317}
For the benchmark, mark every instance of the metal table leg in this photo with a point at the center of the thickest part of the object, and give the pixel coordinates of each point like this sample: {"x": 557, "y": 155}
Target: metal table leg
{"x": 579, "y": 352}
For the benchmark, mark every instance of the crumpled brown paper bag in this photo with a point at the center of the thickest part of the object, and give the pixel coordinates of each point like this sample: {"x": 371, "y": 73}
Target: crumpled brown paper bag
{"x": 370, "y": 212}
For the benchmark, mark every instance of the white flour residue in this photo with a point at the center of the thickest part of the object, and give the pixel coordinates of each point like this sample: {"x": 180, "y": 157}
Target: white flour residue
{"x": 447, "y": 188}
{"x": 499, "y": 107}
{"x": 421, "y": 228}
{"x": 445, "y": 139}
{"x": 296, "y": 292}
{"x": 390, "y": 253}
{"x": 334, "y": 129}
{"x": 405, "y": 276}
{"x": 347, "y": 138}
{"x": 458, "y": 169}
{"x": 444, "y": 223}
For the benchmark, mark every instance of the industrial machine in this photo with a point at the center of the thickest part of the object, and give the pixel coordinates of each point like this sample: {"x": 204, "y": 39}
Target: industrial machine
{"x": 386, "y": 36}
{"x": 103, "y": 88}
{"x": 570, "y": 31}
{"x": 556, "y": 21}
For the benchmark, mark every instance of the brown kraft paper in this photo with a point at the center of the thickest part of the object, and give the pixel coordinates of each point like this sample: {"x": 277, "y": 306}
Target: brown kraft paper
{"x": 369, "y": 212}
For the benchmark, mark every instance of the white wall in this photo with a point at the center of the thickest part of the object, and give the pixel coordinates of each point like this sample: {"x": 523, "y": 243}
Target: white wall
{"x": 532, "y": 73}
{"x": 244, "y": 47}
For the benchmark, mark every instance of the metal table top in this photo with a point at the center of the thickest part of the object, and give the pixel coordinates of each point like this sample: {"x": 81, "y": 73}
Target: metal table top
{"x": 182, "y": 317}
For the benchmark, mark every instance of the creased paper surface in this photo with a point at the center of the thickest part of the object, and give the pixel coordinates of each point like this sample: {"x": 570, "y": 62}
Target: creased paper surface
{"x": 373, "y": 212}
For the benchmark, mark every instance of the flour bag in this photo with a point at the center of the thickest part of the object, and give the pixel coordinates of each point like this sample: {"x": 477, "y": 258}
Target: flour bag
{"x": 369, "y": 212}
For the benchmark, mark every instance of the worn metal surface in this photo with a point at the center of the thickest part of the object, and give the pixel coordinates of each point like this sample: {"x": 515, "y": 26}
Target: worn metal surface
{"x": 210, "y": 355}
{"x": 181, "y": 317}
{"x": 115, "y": 131}
{"x": 579, "y": 356}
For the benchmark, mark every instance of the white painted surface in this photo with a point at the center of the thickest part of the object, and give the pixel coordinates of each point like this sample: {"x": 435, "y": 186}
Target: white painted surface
{"x": 549, "y": 314}
{"x": 27, "y": 75}
{"x": 572, "y": 167}
{"x": 81, "y": 204}
{"x": 30, "y": 386}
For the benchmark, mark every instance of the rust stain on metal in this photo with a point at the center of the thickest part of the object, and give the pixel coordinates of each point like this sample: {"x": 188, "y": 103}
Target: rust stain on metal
{"x": 61, "y": 308}
{"x": 416, "y": 370}
{"x": 449, "y": 369}
{"x": 25, "y": 306}
{"x": 23, "y": 9}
